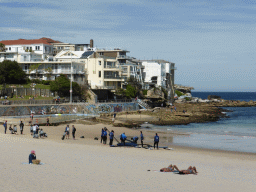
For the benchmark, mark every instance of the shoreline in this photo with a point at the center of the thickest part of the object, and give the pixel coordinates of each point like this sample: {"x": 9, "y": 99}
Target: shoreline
{"x": 91, "y": 131}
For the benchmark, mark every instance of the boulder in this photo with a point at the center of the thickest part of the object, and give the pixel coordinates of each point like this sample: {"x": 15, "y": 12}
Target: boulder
{"x": 210, "y": 97}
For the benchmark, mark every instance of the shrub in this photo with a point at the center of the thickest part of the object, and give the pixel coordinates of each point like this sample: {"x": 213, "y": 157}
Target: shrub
{"x": 179, "y": 93}
{"x": 145, "y": 92}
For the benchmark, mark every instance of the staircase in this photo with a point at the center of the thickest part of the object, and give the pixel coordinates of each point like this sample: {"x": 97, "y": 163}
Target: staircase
{"x": 142, "y": 104}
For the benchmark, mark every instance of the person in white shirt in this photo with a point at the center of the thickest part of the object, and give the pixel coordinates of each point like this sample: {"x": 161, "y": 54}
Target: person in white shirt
{"x": 34, "y": 129}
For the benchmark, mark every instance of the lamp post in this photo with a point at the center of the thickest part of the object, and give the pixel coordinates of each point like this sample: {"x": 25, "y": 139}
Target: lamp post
{"x": 71, "y": 81}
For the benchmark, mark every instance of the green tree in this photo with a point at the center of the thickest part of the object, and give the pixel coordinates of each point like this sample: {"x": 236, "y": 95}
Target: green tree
{"x": 34, "y": 67}
{"x": 49, "y": 72}
{"x": 11, "y": 73}
{"x": 179, "y": 93}
{"x": 62, "y": 86}
{"x": 2, "y": 47}
{"x": 130, "y": 91}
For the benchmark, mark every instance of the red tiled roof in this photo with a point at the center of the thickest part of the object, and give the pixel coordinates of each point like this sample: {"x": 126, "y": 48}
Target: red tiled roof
{"x": 42, "y": 40}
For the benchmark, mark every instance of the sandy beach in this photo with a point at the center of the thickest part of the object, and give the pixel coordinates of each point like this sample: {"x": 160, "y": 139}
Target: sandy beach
{"x": 87, "y": 165}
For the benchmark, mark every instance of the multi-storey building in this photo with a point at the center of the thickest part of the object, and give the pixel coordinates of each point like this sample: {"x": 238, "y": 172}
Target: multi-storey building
{"x": 40, "y": 53}
{"x": 159, "y": 73}
{"x": 110, "y": 69}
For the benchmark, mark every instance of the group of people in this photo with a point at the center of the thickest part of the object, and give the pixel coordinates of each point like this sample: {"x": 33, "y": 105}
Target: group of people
{"x": 67, "y": 130}
{"x": 174, "y": 168}
{"x": 14, "y": 129}
{"x": 36, "y": 131}
{"x": 123, "y": 138}
{"x": 104, "y": 133}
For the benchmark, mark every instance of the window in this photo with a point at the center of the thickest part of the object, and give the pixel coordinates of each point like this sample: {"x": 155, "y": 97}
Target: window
{"x": 10, "y": 48}
{"x": 125, "y": 69}
{"x": 101, "y": 53}
{"x": 37, "y": 47}
{"x": 99, "y": 62}
{"x": 99, "y": 73}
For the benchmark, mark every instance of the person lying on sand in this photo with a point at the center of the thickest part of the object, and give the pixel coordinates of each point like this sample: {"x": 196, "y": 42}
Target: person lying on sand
{"x": 171, "y": 168}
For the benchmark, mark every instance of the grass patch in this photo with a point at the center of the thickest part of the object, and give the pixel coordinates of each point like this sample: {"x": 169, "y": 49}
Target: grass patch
{"x": 27, "y": 98}
{"x": 39, "y": 86}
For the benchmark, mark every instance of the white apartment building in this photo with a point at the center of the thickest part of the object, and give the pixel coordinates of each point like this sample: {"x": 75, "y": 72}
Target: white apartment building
{"x": 39, "y": 52}
{"x": 28, "y": 50}
{"x": 159, "y": 73}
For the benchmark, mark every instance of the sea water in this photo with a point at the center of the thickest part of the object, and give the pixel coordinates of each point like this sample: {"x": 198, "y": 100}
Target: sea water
{"x": 236, "y": 133}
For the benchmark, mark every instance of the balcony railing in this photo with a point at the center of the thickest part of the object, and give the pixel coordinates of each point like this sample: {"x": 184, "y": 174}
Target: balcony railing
{"x": 110, "y": 66}
{"x": 105, "y": 87}
{"x": 124, "y": 57}
{"x": 112, "y": 77}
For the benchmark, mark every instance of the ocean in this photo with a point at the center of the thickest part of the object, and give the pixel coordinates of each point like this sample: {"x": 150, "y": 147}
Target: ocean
{"x": 236, "y": 133}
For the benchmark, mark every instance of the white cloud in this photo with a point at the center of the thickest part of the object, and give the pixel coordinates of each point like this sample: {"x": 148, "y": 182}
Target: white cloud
{"x": 18, "y": 30}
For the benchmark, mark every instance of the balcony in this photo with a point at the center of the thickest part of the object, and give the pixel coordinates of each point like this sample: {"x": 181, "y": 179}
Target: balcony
{"x": 112, "y": 68}
{"x": 105, "y": 87}
{"x": 112, "y": 78}
{"x": 123, "y": 57}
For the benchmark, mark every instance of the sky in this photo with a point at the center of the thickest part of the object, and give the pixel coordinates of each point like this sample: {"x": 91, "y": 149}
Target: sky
{"x": 211, "y": 42}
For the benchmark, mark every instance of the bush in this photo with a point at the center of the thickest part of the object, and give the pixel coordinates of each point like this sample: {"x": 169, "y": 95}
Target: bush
{"x": 145, "y": 92}
{"x": 37, "y": 81}
{"x": 179, "y": 93}
{"x": 47, "y": 82}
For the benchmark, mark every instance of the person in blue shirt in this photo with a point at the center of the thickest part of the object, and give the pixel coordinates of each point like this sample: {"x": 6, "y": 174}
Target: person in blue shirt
{"x": 105, "y": 136}
{"x": 31, "y": 157}
{"x": 135, "y": 139}
{"x": 156, "y": 141}
{"x": 141, "y": 138}
{"x": 102, "y": 131}
{"x": 5, "y": 126}
{"x": 111, "y": 137}
{"x": 123, "y": 138}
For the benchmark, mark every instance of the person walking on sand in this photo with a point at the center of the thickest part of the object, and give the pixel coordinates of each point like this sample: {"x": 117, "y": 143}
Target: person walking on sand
{"x": 67, "y": 132}
{"x": 111, "y": 137}
{"x": 141, "y": 138}
{"x": 73, "y": 132}
{"x": 5, "y": 127}
{"x": 156, "y": 141}
{"x": 21, "y": 127}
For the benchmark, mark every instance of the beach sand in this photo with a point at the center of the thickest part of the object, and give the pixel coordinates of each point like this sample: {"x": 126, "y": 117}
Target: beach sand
{"x": 87, "y": 165}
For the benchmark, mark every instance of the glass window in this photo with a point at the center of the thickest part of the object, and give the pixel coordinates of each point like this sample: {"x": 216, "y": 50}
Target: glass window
{"x": 99, "y": 62}
{"x": 10, "y": 48}
{"x": 99, "y": 73}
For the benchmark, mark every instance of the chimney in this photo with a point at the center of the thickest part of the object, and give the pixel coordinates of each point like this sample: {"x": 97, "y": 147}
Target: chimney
{"x": 91, "y": 43}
